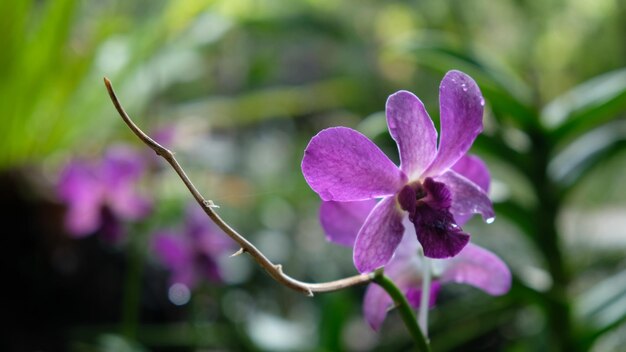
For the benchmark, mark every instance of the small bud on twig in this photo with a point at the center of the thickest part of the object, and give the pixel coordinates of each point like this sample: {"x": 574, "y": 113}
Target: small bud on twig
{"x": 209, "y": 204}
{"x": 239, "y": 252}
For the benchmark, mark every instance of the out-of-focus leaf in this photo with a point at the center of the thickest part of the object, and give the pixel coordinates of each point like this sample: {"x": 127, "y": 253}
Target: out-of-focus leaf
{"x": 517, "y": 214}
{"x": 575, "y": 161}
{"x": 51, "y": 92}
{"x": 603, "y": 307}
{"x": 159, "y": 335}
{"x": 475, "y": 318}
{"x": 335, "y": 312}
{"x": 586, "y": 106}
{"x": 29, "y": 75}
{"x": 373, "y": 125}
{"x": 273, "y": 103}
{"x": 495, "y": 146}
{"x": 302, "y": 22}
{"x": 507, "y": 95}
{"x": 116, "y": 343}
{"x": 613, "y": 340}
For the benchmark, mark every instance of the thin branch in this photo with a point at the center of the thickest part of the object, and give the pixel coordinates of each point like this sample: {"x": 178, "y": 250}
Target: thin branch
{"x": 274, "y": 270}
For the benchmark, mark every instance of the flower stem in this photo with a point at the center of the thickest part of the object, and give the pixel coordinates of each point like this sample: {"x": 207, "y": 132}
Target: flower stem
{"x": 425, "y": 298}
{"x": 404, "y": 309}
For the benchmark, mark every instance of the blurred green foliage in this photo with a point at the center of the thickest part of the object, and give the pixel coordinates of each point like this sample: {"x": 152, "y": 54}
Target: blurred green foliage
{"x": 252, "y": 80}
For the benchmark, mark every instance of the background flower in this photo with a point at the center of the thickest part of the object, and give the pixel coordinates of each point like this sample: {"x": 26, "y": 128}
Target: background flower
{"x": 192, "y": 253}
{"x": 101, "y": 194}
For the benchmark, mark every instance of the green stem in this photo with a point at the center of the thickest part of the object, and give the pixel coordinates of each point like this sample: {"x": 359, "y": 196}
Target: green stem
{"x": 548, "y": 242}
{"x": 404, "y": 309}
{"x": 132, "y": 287}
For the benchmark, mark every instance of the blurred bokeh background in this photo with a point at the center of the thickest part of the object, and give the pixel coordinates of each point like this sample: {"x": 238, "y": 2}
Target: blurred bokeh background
{"x": 237, "y": 88}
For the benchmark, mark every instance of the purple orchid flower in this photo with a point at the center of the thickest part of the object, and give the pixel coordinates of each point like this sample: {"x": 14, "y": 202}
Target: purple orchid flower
{"x": 341, "y": 164}
{"x": 100, "y": 195}
{"x": 192, "y": 254}
{"x": 474, "y": 265}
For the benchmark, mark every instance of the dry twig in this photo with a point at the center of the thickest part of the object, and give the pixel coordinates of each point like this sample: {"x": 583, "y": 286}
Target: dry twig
{"x": 274, "y": 270}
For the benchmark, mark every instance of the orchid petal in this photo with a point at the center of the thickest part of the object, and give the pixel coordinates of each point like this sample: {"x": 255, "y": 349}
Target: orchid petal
{"x": 406, "y": 270}
{"x": 342, "y": 221}
{"x": 129, "y": 205}
{"x": 414, "y": 132}
{"x": 111, "y": 229}
{"x": 122, "y": 166}
{"x": 188, "y": 277}
{"x": 177, "y": 256}
{"x": 379, "y": 236}
{"x": 406, "y": 273}
{"x": 197, "y": 221}
{"x": 480, "y": 268}
{"x": 408, "y": 249}
{"x": 461, "y": 113}
{"x": 474, "y": 169}
{"x": 173, "y": 251}
{"x": 376, "y": 304}
{"x": 121, "y": 169}
{"x": 207, "y": 237}
{"x": 81, "y": 221}
{"x": 467, "y": 197}
{"x": 80, "y": 188}
{"x": 341, "y": 164}
{"x": 206, "y": 266}
{"x": 414, "y": 295}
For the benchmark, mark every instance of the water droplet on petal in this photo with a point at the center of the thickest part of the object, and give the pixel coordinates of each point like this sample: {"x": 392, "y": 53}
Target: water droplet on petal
{"x": 490, "y": 220}
{"x": 482, "y": 101}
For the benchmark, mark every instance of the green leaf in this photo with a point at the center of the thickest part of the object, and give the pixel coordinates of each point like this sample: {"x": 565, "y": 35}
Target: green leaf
{"x": 460, "y": 321}
{"x": 586, "y": 106}
{"x": 336, "y": 310}
{"x": 111, "y": 343}
{"x": 603, "y": 307}
{"x": 574, "y": 162}
{"x": 507, "y": 95}
{"x": 271, "y": 103}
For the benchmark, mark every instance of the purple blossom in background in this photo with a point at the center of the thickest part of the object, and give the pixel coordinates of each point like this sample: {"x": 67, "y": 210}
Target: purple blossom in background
{"x": 341, "y": 164}
{"x": 99, "y": 196}
{"x": 192, "y": 254}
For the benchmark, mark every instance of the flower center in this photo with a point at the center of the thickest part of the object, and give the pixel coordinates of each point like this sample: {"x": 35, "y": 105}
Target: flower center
{"x": 430, "y": 193}
{"x": 428, "y": 205}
